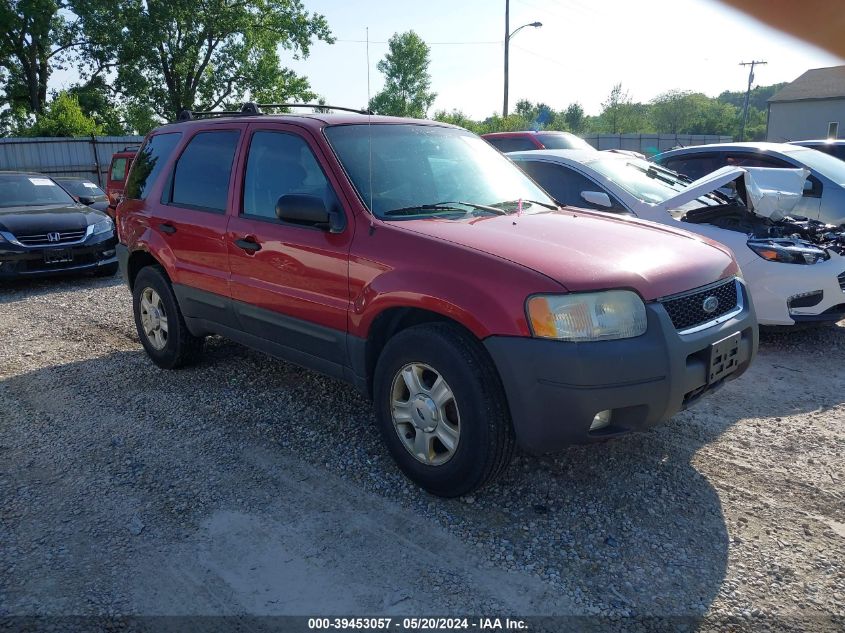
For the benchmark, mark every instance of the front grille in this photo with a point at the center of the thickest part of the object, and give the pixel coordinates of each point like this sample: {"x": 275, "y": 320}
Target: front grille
{"x": 841, "y": 279}
{"x": 687, "y": 310}
{"x": 43, "y": 239}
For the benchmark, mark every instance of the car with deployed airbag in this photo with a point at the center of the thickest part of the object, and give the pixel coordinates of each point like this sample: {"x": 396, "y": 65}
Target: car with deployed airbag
{"x": 413, "y": 260}
{"x": 794, "y": 267}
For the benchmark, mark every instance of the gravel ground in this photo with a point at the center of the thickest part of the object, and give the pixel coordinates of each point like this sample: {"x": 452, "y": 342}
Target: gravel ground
{"x": 245, "y": 485}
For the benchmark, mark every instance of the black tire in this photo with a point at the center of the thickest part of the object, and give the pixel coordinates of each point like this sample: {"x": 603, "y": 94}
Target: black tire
{"x": 107, "y": 271}
{"x": 181, "y": 347}
{"x": 486, "y": 442}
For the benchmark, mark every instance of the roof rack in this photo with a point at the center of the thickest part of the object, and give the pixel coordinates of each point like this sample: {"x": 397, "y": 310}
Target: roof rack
{"x": 252, "y": 109}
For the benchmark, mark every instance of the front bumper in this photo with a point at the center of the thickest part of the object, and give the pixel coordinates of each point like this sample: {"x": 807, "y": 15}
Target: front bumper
{"x": 95, "y": 252}
{"x": 556, "y": 388}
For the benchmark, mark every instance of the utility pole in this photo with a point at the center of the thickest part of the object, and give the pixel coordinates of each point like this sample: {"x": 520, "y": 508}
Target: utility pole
{"x": 747, "y": 95}
{"x": 507, "y": 42}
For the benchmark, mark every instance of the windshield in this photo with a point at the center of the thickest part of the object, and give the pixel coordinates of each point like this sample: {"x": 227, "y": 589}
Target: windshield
{"x": 81, "y": 188}
{"x": 451, "y": 171}
{"x": 26, "y": 190}
{"x": 645, "y": 181}
{"x": 825, "y": 164}
{"x": 563, "y": 141}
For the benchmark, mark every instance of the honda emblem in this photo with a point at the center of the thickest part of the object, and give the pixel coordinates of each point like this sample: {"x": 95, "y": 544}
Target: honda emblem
{"x": 54, "y": 237}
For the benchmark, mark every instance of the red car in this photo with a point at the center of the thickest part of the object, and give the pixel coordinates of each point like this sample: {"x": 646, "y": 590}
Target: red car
{"x": 413, "y": 260}
{"x": 116, "y": 179}
{"x": 530, "y": 140}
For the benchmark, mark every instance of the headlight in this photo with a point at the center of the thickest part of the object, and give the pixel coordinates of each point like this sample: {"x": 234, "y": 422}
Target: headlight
{"x": 103, "y": 226}
{"x": 593, "y": 316}
{"x": 788, "y": 251}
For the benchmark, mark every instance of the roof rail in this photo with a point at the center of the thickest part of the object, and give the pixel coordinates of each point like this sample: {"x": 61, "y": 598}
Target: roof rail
{"x": 130, "y": 148}
{"x": 251, "y": 109}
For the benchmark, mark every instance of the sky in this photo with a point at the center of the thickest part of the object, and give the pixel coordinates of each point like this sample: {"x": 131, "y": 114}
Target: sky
{"x": 583, "y": 48}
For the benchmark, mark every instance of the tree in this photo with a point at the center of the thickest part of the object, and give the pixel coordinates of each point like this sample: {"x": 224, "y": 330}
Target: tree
{"x": 676, "y": 111}
{"x": 407, "y": 83}
{"x": 573, "y": 116}
{"x": 620, "y": 115}
{"x": 62, "y": 117}
{"x": 33, "y": 37}
{"x": 175, "y": 55}
{"x": 96, "y": 102}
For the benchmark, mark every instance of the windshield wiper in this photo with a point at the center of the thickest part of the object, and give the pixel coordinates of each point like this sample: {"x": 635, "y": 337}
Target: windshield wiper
{"x": 443, "y": 206}
{"x": 525, "y": 202}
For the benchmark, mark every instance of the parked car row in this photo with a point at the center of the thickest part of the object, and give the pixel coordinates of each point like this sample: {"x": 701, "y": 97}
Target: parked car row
{"x": 548, "y": 298}
{"x": 45, "y": 230}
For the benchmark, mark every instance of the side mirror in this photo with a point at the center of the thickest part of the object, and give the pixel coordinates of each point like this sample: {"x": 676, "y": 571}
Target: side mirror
{"x": 86, "y": 200}
{"x": 309, "y": 210}
{"x": 598, "y": 198}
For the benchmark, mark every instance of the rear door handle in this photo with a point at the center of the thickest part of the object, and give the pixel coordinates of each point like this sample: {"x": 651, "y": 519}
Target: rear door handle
{"x": 168, "y": 228}
{"x": 248, "y": 244}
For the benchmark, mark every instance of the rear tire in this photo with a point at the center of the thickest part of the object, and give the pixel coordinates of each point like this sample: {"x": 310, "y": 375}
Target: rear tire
{"x": 441, "y": 409}
{"x": 161, "y": 326}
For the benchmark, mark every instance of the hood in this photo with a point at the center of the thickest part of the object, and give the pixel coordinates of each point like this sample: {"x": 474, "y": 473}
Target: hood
{"x": 770, "y": 192}
{"x": 33, "y": 220}
{"x": 589, "y": 251}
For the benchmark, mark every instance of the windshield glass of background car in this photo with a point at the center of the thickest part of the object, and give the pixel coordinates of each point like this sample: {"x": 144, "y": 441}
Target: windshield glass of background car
{"x": 25, "y": 190}
{"x": 419, "y": 164}
{"x": 82, "y": 188}
{"x": 563, "y": 141}
{"x": 825, "y": 164}
{"x": 632, "y": 176}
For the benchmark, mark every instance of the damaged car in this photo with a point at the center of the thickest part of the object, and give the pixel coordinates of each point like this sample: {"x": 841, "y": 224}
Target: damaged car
{"x": 794, "y": 266}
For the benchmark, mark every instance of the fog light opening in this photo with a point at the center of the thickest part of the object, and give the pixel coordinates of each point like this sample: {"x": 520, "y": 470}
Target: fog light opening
{"x": 601, "y": 420}
{"x": 108, "y": 253}
{"x": 805, "y": 300}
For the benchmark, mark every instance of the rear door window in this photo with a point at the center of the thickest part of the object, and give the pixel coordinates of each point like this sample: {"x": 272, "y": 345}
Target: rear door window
{"x": 754, "y": 160}
{"x": 149, "y": 163}
{"x": 203, "y": 171}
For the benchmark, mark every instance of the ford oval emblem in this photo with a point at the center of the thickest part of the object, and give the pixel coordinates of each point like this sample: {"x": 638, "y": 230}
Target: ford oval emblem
{"x": 710, "y": 304}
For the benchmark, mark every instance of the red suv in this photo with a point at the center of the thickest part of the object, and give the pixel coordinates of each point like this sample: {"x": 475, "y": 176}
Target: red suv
{"x": 530, "y": 140}
{"x": 413, "y": 260}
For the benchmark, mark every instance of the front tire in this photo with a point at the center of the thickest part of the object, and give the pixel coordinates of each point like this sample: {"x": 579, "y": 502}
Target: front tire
{"x": 161, "y": 326}
{"x": 441, "y": 409}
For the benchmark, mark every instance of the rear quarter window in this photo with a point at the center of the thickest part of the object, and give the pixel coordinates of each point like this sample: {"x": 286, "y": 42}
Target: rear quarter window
{"x": 148, "y": 164}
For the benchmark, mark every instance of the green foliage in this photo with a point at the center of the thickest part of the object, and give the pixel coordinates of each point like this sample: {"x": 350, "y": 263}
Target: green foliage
{"x": 96, "y": 102}
{"x": 62, "y": 117}
{"x": 173, "y": 55}
{"x": 34, "y": 37}
{"x": 574, "y": 118}
{"x": 407, "y": 83}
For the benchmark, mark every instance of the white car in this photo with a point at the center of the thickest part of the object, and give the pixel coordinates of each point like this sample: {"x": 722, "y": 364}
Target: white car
{"x": 794, "y": 268}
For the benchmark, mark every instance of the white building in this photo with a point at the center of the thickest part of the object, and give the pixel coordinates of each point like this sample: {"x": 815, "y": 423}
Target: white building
{"x": 811, "y": 107}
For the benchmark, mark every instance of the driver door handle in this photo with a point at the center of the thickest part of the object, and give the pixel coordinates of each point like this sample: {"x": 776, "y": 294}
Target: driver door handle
{"x": 248, "y": 244}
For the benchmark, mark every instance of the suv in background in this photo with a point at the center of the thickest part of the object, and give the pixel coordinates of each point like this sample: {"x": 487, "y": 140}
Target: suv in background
{"x": 415, "y": 261}
{"x": 120, "y": 163}
{"x": 824, "y": 193}
{"x": 530, "y": 140}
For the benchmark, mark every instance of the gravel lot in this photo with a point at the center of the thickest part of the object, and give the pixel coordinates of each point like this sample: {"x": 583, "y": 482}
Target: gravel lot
{"x": 245, "y": 485}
